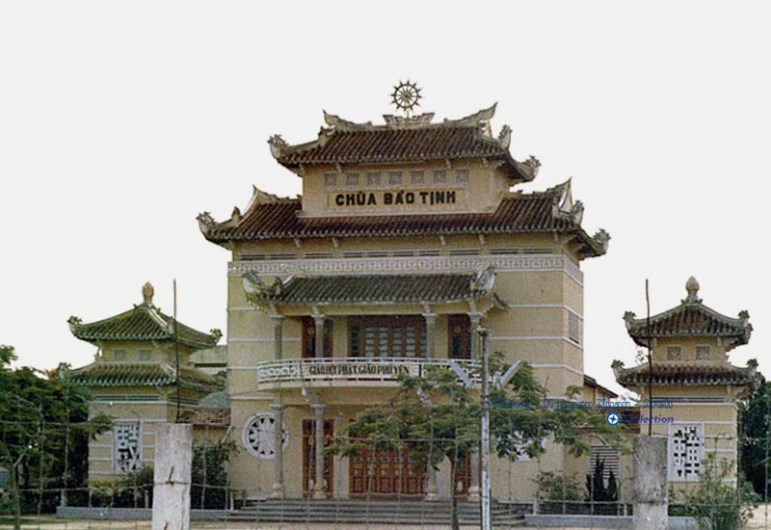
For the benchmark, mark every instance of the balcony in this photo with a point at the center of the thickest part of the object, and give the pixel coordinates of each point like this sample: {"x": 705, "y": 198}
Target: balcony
{"x": 349, "y": 371}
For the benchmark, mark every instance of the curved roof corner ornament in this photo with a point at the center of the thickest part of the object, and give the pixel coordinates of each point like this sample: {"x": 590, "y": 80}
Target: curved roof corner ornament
{"x": 205, "y": 222}
{"x": 278, "y": 146}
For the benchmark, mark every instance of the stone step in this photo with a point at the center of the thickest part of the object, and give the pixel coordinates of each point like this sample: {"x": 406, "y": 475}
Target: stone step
{"x": 358, "y": 511}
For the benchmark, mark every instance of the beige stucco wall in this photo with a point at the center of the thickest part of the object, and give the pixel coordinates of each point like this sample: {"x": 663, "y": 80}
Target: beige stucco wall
{"x": 534, "y": 328}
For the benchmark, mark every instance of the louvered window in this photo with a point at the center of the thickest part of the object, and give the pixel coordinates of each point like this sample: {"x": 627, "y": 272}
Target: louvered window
{"x": 609, "y": 456}
{"x": 574, "y": 327}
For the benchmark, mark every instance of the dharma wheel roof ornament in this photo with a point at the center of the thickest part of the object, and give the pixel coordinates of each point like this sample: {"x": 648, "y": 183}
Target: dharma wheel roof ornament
{"x": 406, "y": 96}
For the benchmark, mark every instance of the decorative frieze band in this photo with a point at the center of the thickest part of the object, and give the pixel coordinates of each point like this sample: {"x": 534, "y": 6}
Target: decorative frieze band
{"x": 418, "y": 265}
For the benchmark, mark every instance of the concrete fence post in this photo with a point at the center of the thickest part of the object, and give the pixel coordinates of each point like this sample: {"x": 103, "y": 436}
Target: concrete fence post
{"x": 173, "y": 463}
{"x": 650, "y": 484}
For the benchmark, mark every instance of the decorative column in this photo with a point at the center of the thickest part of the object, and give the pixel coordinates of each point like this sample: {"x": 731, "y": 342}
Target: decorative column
{"x": 278, "y": 336}
{"x": 431, "y": 488}
{"x": 430, "y": 334}
{"x": 320, "y": 486}
{"x": 318, "y": 319}
{"x": 473, "y": 488}
{"x": 278, "y": 450}
{"x": 475, "y": 319}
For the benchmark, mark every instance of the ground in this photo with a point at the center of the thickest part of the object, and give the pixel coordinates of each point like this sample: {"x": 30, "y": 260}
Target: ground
{"x": 761, "y": 519}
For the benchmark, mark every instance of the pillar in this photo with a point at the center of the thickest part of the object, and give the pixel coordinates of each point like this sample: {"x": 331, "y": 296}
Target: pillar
{"x": 431, "y": 489}
{"x": 278, "y": 336}
{"x": 278, "y": 445}
{"x": 319, "y": 486}
{"x": 319, "y": 321}
{"x": 650, "y": 483}
{"x": 473, "y": 488}
{"x": 475, "y": 319}
{"x": 173, "y": 463}
{"x": 430, "y": 334}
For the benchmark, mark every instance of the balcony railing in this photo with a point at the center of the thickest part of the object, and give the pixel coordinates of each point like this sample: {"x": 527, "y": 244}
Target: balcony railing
{"x": 351, "y": 371}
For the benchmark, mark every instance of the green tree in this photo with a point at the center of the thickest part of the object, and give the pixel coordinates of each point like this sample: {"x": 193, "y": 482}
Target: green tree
{"x": 755, "y": 443}
{"x": 45, "y": 431}
{"x": 210, "y": 478}
{"x": 598, "y": 492}
{"x": 436, "y": 417}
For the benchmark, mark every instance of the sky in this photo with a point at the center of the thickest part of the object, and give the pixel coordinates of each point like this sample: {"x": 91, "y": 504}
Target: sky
{"x": 121, "y": 121}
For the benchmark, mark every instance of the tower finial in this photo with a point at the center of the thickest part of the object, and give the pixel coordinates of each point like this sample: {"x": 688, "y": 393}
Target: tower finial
{"x": 692, "y": 286}
{"x": 147, "y": 293}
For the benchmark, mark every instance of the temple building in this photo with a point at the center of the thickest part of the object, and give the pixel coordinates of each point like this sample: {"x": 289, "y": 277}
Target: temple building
{"x": 693, "y": 384}
{"x": 142, "y": 376}
{"x": 408, "y": 235}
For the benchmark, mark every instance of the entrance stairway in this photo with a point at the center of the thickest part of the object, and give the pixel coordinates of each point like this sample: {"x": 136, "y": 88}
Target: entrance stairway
{"x": 360, "y": 511}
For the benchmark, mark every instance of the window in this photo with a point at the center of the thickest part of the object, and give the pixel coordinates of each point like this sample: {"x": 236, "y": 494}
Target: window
{"x": 119, "y": 355}
{"x": 127, "y": 446}
{"x": 417, "y": 177}
{"x": 373, "y": 179}
{"x": 610, "y": 458}
{"x": 395, "y": 178}
{"x": 351, "y": 180}
{"x": 398, "y": 336}
{"x": 309, "y": 337}
{"x": 144, "y": 355}
{"x": 574, "y": 328}
{"x": 461, "y": 176}
{"x": 674, "y": 353}
{"x": 330, "y": 180}
{"x": 459, "y": 337}
{"x": 686, "y": 451}
{"x": 440, "y": 176}
{"x": 703, "y": 353}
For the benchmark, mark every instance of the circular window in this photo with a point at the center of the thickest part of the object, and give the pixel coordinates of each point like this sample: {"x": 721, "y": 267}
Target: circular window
{"x": 259, "y": 437}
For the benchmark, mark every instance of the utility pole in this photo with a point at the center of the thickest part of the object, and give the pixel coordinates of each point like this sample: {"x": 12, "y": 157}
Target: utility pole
{"x": 500, "y": 381}
{"x": 485, "y": 449}
{"x": 176, "y": 355}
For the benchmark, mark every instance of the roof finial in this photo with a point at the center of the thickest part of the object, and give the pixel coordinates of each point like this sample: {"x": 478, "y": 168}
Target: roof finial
{"x": 406, "y": 96}
{"x": 147, "y": 293}
{"x": 692, "y": 286}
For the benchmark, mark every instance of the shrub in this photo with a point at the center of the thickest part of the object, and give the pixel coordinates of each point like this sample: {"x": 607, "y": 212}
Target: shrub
{"x": 717, "y": 504}
{"x": 559, "y": 494}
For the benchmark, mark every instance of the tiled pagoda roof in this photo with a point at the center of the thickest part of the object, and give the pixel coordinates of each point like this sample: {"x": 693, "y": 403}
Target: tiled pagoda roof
{"x": 113, "y": 374}
{"x": 517, "y": 213}
{"x": 405, "y": 140}
{"x": 144, "y": 322}
{"x": 691, "y": 319}
{"x": 370, "y": 289}
{"x": 686, "y": 374}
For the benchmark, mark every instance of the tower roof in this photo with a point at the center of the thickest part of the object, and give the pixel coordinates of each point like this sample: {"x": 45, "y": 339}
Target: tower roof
{"x": 691, "y": 319}
{"x": 405, "y": 139}
{"x": 551, "y": 211}
{"x": 686, "y": 374}
{"x": 144, "y": 322}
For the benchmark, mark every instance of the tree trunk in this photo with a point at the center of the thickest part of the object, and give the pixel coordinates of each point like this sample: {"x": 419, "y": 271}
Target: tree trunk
{"x": 16, "y": 499}
{"x": 454, "y": 523}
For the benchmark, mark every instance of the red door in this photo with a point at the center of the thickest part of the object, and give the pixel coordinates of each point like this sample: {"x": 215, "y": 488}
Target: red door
{"x": 385, "y": 474}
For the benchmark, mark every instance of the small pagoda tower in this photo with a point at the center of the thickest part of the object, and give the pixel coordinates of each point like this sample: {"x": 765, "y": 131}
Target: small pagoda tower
{"x": 694, "y": 387}
{"x": 141, "y": 376}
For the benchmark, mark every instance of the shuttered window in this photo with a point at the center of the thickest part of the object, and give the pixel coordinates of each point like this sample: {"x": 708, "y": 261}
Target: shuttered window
{"x": 609, "y": 456}
{"x": 374, "y": 337}
{"x": 574, "y": 327}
